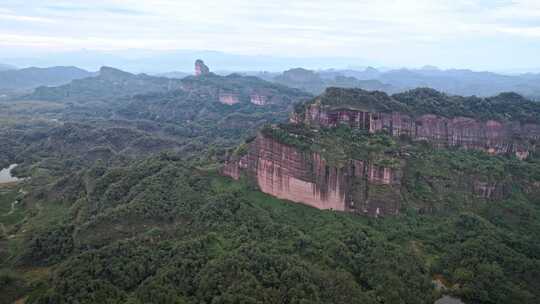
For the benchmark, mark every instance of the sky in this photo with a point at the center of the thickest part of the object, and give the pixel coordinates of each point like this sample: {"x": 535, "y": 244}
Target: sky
{"x": 476, "y": 34}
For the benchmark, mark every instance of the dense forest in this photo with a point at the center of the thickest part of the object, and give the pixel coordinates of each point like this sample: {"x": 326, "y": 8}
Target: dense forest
{"x": 123, "y": 203}
{"x": 163, "y": 231}
{"x": 505, "y": 106}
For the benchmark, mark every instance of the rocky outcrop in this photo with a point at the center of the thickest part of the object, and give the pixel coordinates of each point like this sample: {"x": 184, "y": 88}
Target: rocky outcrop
{"x": 357, "y": 185}
{"x": 201, "y": 68}
{"x": 287, "y": 173}
{"x": 299, "y": 162}
{"x": 488, "y": 190}
{"x": 492, "y": 136}
{"x": 258, "y": 99}
{"x": 229, "y": 98}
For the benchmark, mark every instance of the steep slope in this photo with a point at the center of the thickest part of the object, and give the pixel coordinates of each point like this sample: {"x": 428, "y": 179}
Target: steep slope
{"x": 158, "y": 231}
{"x": 503, "y": 124}
{"x": 370, "y": 153}
{"x": 87, "y": 227}
{"x": 161, "y": 231}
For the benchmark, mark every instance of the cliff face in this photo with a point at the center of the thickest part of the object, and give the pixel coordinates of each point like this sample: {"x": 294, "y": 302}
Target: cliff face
{"x": 285, "y": 172}
{"x": 229, "y": 98}
{"x": 258, "y": 99}
{"x": 356, "y": 185}
{"x": 310, "y": 161}
{"x": 491, "y": 136}
{"x": 201, "y": 68}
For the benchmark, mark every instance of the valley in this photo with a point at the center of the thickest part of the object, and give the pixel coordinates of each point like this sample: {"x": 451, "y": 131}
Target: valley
{"x": 126, "y": 194}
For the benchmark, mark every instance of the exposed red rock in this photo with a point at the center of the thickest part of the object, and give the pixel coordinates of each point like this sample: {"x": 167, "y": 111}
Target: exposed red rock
{"x": 359, "y": 185}
{"x": 491, "y": 136}
{"x": 287, "y": 173}
{"x": 229, "y": 98}
{"x": 259, "y": 99}
{"x": 201, "y": 68}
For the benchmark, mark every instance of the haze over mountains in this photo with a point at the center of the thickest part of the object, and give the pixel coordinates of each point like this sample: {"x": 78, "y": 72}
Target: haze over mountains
{"x": 270, "y": 152}
{"x": 456, "y": 82}
{"x": 453, "y": 81}
{"x": 155, "y": 62}
{"x": 12, "y": 79}
{"x": 5, "y": 67}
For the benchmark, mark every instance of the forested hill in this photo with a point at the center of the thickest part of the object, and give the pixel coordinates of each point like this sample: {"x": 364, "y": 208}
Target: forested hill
{"x": 122, "y": 203}
{"x": 453, "y": 81}
{"x": 505, "y": 106}
{"x": 29, "y": 78}
{"x": 109, "y": 83}
{"x": 118, "y": 114}
{"x": 216, "y": 102}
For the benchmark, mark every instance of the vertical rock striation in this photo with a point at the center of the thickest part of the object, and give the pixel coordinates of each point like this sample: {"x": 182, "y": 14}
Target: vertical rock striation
{"x": 285, "y": 162}
{"x": 491, "y": 136}
{"x": 287, "y": 173}
{"x": 229, "y": 98}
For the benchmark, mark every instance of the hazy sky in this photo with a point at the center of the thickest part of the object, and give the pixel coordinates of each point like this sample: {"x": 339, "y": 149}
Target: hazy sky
{"x": 490, "y": 34}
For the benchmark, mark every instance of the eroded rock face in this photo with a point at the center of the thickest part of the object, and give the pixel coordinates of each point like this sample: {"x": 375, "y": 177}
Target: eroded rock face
{"x": 201, "y": 68}
{"x": 258, "y": 99}
{"x": 229, "y": 98}
{"x": 491, "y": 136}
{"x": 287, "y": 173}
{"x": 357, "y": 186}
{"x": 488, "y": 190}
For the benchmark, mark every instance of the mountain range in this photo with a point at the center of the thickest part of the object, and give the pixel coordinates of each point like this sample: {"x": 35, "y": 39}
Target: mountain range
{"x": 29, "y": 78}
{"x": 234, "y": 189}
{"x": 5, "y": 67}
{"x": 456, "y": 82}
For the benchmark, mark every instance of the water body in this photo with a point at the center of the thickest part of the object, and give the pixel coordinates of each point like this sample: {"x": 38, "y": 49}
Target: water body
{"x": 5, "y": 175}
{"x": 448, "y": 300}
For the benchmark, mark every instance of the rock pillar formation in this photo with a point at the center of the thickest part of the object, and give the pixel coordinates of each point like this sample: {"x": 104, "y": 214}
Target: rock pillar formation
{"x": 201, "y": 68}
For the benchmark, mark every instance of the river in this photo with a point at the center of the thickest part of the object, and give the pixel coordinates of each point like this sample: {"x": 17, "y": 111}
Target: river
{"x": 448, "y": 300}
{"x": 5, "y": 175}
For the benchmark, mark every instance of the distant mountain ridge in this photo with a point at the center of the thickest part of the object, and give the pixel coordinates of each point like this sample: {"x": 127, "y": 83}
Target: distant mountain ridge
{"x": 193, "y": 109}
{"x": 453, "y": 81}
{"x": 6, "y": 67}
{"x": 30, "y": 78}
{"x": 108, "y": 83}
{"x": 316, "y": 83}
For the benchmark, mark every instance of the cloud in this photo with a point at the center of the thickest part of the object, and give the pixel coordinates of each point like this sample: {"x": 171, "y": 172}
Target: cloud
{"x": 95, "y": 9}
{"x": 533, "y": 32}
{"x": 12, "y": 17}
{"x": 392, "y": 30}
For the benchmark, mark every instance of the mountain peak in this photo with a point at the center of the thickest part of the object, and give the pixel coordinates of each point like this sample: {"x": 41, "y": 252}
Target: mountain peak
{"x": 201, "y": 68}
{"x": 430, "y": 68}
{"x": 109, "y": 72}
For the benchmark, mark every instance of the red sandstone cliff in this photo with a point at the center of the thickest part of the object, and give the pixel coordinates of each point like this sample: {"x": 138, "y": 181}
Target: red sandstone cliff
{"x": 491, "y": 136}
{"x": 201, "y": 68}
{"x": 287, "y": 173}
{"x": 357, "y": 186}
{"x": 228, "y": 98}
{"x": 360, "y": 186}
